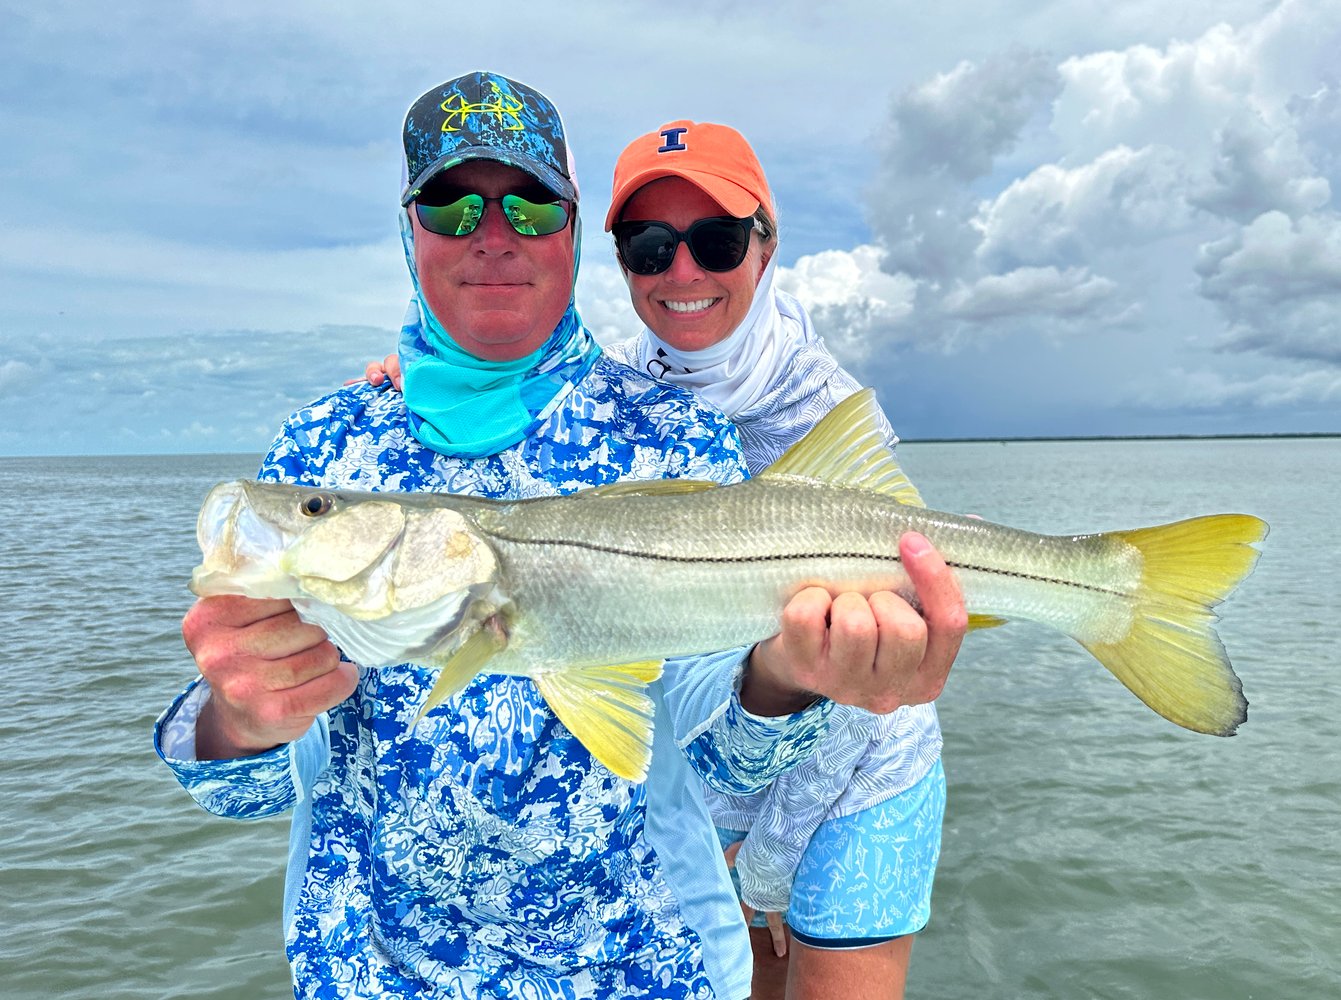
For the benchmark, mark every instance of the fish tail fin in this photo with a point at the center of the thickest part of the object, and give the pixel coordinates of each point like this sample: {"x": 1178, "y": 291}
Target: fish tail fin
{"x": 608, "y": 710}
{"x": 1171, "y": 657}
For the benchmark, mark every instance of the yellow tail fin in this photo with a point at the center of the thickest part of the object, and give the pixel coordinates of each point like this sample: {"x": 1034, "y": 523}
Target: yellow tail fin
{"x": 1171, "y": 658}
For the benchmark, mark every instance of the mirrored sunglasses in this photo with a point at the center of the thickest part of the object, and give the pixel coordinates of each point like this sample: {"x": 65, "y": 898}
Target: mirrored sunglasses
{"x": 460, "y": 216}
{"x": 717, "y": 244}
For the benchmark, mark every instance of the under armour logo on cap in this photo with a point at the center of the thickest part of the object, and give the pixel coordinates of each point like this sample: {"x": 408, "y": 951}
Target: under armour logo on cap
{"x": 673, "y": 141}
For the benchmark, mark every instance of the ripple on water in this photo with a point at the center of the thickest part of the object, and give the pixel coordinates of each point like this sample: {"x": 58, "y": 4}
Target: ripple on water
{"x": 1091, "y": 849}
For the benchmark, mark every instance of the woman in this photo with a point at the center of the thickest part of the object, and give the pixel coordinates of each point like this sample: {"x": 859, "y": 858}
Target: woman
{"x": 846, "y": 844}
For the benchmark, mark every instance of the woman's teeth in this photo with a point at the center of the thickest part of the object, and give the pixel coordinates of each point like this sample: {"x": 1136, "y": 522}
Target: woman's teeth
{"x": 687, "y": 307}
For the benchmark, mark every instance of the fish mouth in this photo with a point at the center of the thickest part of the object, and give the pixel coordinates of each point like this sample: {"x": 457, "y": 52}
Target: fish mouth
{"x": 240, "y": 549}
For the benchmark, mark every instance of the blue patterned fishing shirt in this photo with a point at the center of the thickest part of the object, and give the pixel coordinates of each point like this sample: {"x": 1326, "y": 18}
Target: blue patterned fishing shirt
{"x": 485, "y": 853}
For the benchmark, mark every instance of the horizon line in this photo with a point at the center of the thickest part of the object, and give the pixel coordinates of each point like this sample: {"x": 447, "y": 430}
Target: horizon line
{"x": 1027, "y": 439}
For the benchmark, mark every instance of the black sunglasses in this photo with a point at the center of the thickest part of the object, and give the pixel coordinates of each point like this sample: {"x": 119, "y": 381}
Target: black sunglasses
{"x": 717, "y": 244}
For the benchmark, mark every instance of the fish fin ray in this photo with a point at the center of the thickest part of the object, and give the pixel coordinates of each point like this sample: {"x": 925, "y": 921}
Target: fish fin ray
{"x": 979, "y": 621}
{"x": 607, "y": 708}
{"x": 1172, "y": 658}
{"x": 649, "y": 488}
{"x": 848, "y": 448}
{"x": 461, "y": 667}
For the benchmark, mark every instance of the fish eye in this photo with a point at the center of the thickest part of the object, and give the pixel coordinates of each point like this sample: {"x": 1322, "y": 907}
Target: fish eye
{"x": 316, "y": 504}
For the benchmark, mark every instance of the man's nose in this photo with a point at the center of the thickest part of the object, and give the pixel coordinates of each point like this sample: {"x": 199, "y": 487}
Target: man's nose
{"x": 494, "y": 233}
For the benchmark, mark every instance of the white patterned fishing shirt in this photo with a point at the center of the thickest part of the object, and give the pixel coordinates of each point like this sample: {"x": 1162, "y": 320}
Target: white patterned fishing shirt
{"x": 864, "y": 759}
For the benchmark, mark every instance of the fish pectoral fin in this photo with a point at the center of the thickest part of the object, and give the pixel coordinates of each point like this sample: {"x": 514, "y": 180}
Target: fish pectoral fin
{"x": 461, "y": 668}
{"x": 848, "y": 448}
{"x": 608, "y": 710}
{"x": 976, "y": 622}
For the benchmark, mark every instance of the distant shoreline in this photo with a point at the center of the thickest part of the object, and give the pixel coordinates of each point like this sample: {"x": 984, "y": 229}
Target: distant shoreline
{"x": 258, "y": 455}
{"x": 1124, "y": 437}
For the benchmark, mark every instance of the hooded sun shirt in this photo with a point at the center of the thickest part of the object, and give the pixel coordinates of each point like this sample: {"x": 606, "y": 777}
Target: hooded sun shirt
{"x": 465, "y": 406}
{"x": 738, "y": 372}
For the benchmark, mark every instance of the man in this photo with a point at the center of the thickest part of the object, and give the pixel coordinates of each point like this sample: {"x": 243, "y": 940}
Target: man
{"x": 484, "y": 852}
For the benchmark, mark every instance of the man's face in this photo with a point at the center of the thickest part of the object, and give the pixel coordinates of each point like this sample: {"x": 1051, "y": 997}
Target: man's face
{"x": 498, "y": 293}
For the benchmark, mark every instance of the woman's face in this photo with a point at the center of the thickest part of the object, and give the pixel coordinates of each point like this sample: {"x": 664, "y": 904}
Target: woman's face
{"x": 687, "y": 307}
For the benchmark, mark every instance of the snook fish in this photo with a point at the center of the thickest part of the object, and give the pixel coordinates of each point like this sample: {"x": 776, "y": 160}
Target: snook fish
{"x": 587, "y": 593}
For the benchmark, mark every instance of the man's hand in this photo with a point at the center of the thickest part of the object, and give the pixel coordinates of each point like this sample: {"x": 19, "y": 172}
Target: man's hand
{"x": 878, "y": 653}
{"x": 270, "y": 674}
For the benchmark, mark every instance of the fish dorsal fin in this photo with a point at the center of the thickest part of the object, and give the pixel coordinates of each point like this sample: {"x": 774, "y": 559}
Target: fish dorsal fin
{"x": 649, "y": 488}
{"x": 608, "y": 709}
{"x": 848, "y": 448}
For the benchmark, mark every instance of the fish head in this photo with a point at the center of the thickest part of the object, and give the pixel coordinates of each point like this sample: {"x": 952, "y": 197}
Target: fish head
{"x": 367, "y": 556}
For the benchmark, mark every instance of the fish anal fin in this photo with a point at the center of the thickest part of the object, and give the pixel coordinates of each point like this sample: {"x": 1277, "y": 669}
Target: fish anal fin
{"x": 462, "y": 666}
{"x": 848, "y": 448}
{"x": 608, "y": 710}
{"x": 977, "y": 621}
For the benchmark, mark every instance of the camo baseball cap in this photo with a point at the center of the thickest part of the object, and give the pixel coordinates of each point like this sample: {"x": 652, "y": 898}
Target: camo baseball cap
{"x": 484, "y": 116}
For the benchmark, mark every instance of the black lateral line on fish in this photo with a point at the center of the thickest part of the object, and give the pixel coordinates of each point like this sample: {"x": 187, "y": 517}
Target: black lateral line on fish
{"x": 634, "y": 554}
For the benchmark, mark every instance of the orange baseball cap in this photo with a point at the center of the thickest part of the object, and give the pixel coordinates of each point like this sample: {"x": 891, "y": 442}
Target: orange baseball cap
{"x": 713, "y": 157}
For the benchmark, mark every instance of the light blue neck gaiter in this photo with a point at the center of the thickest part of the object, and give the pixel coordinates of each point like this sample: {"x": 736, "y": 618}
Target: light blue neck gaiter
{"x": 468, "y": 407}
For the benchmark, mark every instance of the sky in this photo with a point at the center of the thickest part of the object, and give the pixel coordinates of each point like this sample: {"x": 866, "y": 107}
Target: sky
{"x": 1015, "y": 219}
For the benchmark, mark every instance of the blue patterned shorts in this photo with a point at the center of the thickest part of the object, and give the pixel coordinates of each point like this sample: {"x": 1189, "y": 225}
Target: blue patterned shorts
{"x": 866, "y": 878}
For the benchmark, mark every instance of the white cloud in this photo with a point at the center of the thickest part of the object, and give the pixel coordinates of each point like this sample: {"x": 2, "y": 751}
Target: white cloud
{"x": 1030, "y": 291}
{"x": 1212, "y": 391}
{"x": 168, "y": 284}
{"x": 940, "y": 137}
{"x": 14, "y": 374}
{"x": 958, "y": 122}
{"x": 855, "y": 306}
{"x": 603, "y": 299}
{"x": 185, "y": 193}
{"x": 1102, "y": 187}
{"x": 1144, "y": 95}
{"x": 1259, "y": 169}
{"x": 1275, "y": 257}
{"x": 1124, "y": 196}
{"x": 1278, "y": 282}
{"x": 225, "y": 390}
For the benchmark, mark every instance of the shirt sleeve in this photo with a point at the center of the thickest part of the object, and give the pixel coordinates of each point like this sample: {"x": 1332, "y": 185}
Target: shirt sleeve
{"x": 708, "y": 448}
{"x": 256, "y": 787}
{"x": 266, "y": 784}
{"x": 794, "y": 808}
{"x": 733, "y": 750}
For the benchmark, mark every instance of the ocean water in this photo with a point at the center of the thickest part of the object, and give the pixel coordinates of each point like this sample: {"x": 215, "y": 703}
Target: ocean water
{"x": 1091, "y": 850}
